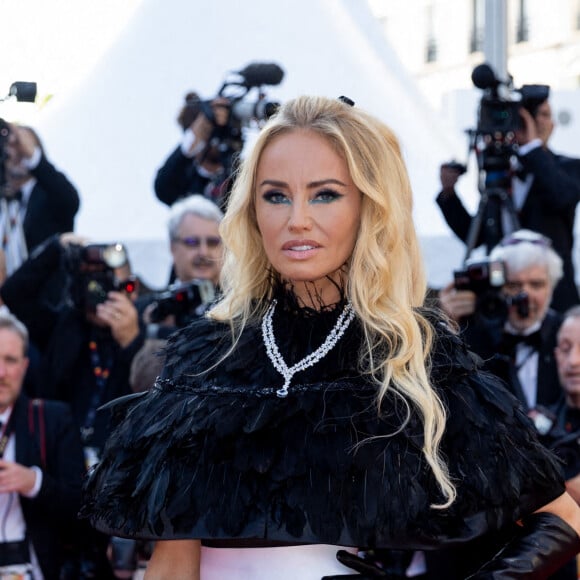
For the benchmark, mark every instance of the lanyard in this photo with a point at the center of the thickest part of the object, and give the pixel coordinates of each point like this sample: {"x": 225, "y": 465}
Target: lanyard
{"x": 101, "y": 366}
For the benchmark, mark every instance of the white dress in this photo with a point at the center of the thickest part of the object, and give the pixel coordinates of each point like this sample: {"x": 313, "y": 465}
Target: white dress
{"x": 308, "y": 562}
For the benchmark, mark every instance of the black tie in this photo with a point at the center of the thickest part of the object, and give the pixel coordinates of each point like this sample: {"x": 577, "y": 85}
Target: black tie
{"x": 510, "y": 341}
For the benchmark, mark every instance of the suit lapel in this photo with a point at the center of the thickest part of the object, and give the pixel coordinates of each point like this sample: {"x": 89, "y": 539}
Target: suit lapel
{"x": 24, "y": 451}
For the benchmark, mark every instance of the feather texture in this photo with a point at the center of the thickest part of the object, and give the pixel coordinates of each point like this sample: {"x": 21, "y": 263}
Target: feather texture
{"x": 218, "y": 455}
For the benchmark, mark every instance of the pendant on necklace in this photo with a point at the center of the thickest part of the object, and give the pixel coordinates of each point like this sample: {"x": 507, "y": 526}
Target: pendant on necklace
{"x": 283, "y": 392}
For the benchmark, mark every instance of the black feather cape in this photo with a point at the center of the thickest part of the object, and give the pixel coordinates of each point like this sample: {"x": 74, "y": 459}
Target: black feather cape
{"x": 217, "y": 455}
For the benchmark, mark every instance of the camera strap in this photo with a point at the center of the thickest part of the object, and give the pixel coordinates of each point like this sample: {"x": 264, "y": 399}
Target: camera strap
{"x": 531, "y": 351}
{"x": 101, "y": 363}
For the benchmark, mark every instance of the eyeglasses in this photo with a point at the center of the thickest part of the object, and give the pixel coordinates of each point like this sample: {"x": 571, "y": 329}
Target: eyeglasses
{"x": 196, "y": 241}
{"x": 540, "y": 240}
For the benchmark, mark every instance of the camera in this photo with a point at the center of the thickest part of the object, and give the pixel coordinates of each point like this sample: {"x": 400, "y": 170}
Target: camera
{"x": 91, "y": 269}
{"x": 226, "y": 141}
{"x": 499, "y": 109}
{"x": 109, "y": 255}
{"x": 243, "y": 111}
{"x": 495, "y": 145}
{"x": 486, "y": 279}
{"x": 183, "y": 301}
{"x": 253, "y": 76}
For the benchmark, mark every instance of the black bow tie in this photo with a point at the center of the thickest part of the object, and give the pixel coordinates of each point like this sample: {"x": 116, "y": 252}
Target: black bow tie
{"x": 510, "y": 341}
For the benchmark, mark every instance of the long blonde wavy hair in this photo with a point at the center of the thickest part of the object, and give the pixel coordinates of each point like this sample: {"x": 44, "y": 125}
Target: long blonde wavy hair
{"x": 385, "y": 275}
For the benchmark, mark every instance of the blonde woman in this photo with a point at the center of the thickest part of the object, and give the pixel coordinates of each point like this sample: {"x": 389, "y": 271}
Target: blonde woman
{"x": 318, "y": 409}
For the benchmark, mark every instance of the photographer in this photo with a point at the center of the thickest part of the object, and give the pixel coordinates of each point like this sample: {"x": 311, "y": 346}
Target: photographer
{"x": 86, "y": 344}
{"x": 513, "y": 328}
{"x": 200, "y": 162}
{"x": 544, "y": 188}
{"x": 213, "y": 136}
{"x": 66, "y": 335}
{"x": 37, "y": 200}
{"x": 197, "y": 253}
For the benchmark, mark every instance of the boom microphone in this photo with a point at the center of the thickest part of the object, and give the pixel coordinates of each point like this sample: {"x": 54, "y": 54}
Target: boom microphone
{"x": 261, "y": 73}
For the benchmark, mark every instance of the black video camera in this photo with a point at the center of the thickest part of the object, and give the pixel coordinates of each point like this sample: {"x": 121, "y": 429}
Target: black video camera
{"x": 499, "y": 109}
{"x": 227, "y": 141}
{"x": 92, "y": 273}
{"x": 242, "y": 110}
{"x": 486, "y": 279}
{"x": 255, "y": 75}
{"x": 183, "y": 301}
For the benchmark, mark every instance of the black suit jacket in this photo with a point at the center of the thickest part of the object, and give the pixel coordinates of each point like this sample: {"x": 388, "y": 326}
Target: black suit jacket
{"x": 178, "y": 177}
{"x": 51, "y": 515}
{"x": 52, "y": 206}
{"x": 549, "y": 209}
{"x": 487, "y": 344}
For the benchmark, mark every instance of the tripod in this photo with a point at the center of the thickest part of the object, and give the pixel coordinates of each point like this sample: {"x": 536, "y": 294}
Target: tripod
{"x": 496, "y": 214}
{"x": 495, "y": 208}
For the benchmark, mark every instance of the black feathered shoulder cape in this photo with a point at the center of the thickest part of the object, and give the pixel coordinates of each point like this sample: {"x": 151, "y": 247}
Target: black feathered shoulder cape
{"x": 217, "y": 455}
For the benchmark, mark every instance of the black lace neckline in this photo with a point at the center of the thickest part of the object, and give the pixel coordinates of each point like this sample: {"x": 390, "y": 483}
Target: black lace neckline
{"x": 289, "y": 303}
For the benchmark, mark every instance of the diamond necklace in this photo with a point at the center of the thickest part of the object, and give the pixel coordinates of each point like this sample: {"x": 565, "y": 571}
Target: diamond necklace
{"x": 275, "y": 357}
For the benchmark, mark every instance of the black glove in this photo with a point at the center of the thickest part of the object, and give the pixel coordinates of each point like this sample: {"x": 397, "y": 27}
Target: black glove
{"x": 543, "y": 545}
{"x": 367, "y": 568}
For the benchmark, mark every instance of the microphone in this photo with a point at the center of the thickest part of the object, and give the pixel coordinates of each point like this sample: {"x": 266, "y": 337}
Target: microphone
{"x": 483, "y": 77}
{"x": 262, "y": 73}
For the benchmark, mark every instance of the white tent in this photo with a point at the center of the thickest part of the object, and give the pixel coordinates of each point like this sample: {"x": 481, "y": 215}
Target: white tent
{"x": 112, "y": 132}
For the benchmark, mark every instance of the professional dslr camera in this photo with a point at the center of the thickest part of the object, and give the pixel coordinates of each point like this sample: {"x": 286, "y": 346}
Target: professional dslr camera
{"x": 91, "y": 269}
{"x": 486, "y": 278}
{"x": 23, "y": 92}
{"x": 183, "y": 301}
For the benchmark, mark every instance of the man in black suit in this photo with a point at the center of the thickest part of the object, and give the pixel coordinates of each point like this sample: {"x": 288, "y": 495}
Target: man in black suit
{"x": 204, "y": 159}
{"x": 517, "y": 343}
{"x": 37, "y": 200}
{"x": 41, "y": 467}
{"x": 545, "y": 191}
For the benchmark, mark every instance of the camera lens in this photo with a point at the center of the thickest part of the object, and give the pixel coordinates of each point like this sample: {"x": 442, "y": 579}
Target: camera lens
{"x": 115, "y": 255}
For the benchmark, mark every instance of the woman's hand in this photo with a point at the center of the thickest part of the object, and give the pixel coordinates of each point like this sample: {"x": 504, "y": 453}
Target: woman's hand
{"x": 174, "y": 560}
